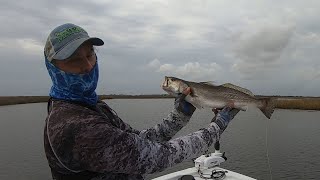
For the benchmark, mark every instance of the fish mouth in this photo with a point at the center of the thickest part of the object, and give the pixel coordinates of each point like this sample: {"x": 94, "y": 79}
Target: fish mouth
{"x": 165, "y": 83}
{"x": 165, "y": 88}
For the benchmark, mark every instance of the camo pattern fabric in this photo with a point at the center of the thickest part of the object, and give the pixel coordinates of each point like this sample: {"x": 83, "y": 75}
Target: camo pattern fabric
{"x": 97, "y": 141}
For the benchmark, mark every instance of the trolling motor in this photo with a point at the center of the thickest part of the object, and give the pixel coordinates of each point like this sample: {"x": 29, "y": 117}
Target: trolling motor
{"x": 211, "y": 160}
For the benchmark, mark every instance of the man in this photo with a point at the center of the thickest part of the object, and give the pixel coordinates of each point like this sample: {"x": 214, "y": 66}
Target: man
{"x": 85, "y": 139}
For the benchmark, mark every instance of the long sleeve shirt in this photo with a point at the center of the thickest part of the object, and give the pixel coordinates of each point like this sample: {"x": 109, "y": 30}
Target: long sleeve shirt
{"x": 84, "y": 142}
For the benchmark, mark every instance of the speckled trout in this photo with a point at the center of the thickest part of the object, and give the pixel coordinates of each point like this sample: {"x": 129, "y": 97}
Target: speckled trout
{"x": 208, "y": 95}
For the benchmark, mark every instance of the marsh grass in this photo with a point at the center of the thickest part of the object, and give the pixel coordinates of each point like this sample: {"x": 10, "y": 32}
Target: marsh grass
{"x": 12, "y": 100}
{"x": 298, "y": 103}
{"x": 303, "y": 103}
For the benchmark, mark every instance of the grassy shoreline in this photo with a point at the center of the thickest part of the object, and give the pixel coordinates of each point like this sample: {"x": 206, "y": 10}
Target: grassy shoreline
{"x": 13, "y": 100}
{"x": 283, "y": 102}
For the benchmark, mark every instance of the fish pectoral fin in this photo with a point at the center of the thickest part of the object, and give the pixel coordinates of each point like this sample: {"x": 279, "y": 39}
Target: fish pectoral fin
{"x": 238, "y": 88}
{"x": 197, "y": 105}
{"x": 192, "y": 94}
{"x": 194, "y": 101}
{"x": 244, "y": 108}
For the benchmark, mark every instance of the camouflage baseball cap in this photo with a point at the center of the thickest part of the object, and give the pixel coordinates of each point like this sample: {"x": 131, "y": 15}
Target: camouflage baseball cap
{"x": 64, "y": 40}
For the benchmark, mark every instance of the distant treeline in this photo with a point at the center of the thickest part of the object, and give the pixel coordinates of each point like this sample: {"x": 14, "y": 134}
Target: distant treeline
{"x": 12, "y": 100}
{"x": 283, "y": 102}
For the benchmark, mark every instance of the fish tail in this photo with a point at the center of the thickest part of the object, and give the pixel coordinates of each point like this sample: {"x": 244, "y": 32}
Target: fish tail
{"x": 268, "y": 107}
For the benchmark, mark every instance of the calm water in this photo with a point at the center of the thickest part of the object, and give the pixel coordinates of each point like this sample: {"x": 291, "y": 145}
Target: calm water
{"x": 292, "y": 139}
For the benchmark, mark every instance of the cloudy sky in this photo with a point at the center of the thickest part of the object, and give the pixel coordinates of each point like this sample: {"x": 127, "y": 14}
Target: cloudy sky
{"x": 270, "y": 47}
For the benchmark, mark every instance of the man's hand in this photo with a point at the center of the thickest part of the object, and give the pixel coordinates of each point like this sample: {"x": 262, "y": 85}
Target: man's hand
{"x": 182, "y": 105}
{"x": 224, "y": 116}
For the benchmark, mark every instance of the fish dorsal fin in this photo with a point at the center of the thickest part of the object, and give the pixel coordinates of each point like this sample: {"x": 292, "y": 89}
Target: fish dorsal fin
{"x": 232, "y": 86}
{"x": 211, "y": 83}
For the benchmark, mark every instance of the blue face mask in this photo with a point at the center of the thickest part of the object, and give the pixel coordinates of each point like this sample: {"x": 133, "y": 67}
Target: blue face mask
{"x": 74, "y": 87}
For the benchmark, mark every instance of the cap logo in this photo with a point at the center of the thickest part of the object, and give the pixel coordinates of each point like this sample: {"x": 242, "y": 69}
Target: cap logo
{"x": 67, "y": 32}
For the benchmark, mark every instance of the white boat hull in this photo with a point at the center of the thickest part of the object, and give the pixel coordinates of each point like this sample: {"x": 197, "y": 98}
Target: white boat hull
{"x": 230, "y": 175}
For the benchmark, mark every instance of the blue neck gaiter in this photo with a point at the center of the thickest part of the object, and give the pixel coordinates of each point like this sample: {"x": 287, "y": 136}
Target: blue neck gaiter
{"x": 74, "y": 87}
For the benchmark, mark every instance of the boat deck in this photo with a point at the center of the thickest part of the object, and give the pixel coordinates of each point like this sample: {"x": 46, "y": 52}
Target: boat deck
{"x": 229, "y": 175}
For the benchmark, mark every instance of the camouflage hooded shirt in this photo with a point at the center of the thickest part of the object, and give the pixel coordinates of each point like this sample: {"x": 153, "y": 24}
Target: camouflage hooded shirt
{"x": 83, "y": 142}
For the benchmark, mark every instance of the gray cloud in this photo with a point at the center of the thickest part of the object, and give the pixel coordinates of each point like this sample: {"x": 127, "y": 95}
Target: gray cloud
{"x": 260, "y": 51}
{"x": 190, "y": 71}
{"x": 271, "y": 48}
{"x": 265, "y": 45}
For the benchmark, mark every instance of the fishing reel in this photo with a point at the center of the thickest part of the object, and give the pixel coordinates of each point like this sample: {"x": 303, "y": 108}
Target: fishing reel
{"x": 211, "y": 160}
